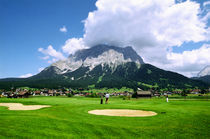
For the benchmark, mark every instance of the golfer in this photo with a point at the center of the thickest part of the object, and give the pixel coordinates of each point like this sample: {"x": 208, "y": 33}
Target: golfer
{"x": 107, "y": 98}
{"x": 167, "y": 98}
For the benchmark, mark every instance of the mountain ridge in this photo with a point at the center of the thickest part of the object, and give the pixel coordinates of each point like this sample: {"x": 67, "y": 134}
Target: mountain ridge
{"x": 127, "y": 52}
{"x": 204, "y": 75}
{"x": 99, "y": 54}
{"x": 104, "y": 66}
{"x": 205, "y": 71}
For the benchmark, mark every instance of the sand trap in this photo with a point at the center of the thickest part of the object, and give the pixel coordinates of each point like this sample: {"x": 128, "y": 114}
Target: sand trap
{"x": 19, "y": 106}
{"x": 123, "y": 112}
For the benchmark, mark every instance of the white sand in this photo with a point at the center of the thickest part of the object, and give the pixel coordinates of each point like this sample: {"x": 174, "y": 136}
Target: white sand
{"x": 123, "y": 112}
{"x": 19, "y": 106}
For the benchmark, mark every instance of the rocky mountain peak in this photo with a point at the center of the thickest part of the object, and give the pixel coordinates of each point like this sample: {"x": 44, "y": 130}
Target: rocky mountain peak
{"x": 98, "y": 55}
{"x": 97, "y": 50}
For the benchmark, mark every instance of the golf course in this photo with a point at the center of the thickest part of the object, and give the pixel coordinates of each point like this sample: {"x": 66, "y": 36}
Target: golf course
{"x": 69, "y": 118}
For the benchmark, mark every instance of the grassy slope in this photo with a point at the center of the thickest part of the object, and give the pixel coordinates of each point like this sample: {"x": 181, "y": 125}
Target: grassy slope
{"x": 68, "y": 118}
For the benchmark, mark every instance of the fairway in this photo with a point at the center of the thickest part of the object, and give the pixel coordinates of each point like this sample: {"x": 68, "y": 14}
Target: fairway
{"x": 69, "y": 118}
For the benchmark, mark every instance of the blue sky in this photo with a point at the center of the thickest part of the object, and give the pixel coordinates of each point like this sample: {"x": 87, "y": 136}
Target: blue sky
{"x": 27, "y": 25}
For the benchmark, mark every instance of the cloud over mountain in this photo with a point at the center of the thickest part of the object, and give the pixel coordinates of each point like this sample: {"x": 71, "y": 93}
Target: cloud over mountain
{"x": 51, "y": 52}
{"x": 144, "y": 23}
{"x": 152, "y": 27}
{"x": 72, "y": 45}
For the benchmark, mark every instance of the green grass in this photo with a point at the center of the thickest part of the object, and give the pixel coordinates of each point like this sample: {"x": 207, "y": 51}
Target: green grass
{"x": 69, "y": 118}
{"x": 100, "y": 78}
{"x": 148, "y": 85}
{"x": 92, "y": 89}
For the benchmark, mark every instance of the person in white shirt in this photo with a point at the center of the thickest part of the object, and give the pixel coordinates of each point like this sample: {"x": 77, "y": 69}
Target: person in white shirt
{"x": 107, "y": 98}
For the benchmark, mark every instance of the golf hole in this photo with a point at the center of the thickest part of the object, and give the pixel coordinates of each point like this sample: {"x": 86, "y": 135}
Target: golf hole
{"x": 123, "y": 112}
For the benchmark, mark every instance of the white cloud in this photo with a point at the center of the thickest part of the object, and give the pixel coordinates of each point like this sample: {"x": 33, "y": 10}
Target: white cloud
{"x": 152, "y": 27}
{"x": 73, "y": 44}
{"x": 63, "y": 29}
{"x": 51, "y": 52}
{"x": 196, "y": 56}
{"x": 145, "y": 23}
{"x": 188, "y": 63}
{"x": 26, "y": 75}
{"x": 206, "y": 3}
{"x": 208, "y": 33}
{"x": 52, "y": 61}
{"x": 45, "y": 57}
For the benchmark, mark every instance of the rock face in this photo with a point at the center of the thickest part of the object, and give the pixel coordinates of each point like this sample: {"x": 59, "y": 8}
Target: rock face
{"x": 98, "y": 55}
{"x": 204, "y": 72}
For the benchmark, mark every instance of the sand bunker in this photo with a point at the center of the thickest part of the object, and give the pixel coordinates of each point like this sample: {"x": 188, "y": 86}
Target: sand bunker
{"x": 123, "y": 112}
{"x": 19, "y": 106}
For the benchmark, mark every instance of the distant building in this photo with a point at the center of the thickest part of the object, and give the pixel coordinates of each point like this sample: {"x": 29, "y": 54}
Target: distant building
{"x": 23, "y": 94}
{"x": 37, "y": 92}
{"x": 145, "y": 94}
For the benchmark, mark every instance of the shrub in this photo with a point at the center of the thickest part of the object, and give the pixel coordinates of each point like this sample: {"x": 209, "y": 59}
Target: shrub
{"x": 92, "y": 95}
{"x": 134, "y": 95}
{"x": 70, "y": 95}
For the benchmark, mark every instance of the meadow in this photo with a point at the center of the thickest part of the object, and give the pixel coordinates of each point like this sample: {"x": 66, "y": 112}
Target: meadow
{"x": 69, "y": 118}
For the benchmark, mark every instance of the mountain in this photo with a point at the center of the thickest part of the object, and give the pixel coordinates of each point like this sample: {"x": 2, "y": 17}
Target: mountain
{"x": 205, "y": 79}
{"x": 104, "y": 66}
{"x": 98, "y": 55}
{"x": 204, "y": 72}
{"x": 88, "y": 59}
{"x": 204, "y": 75}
